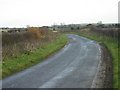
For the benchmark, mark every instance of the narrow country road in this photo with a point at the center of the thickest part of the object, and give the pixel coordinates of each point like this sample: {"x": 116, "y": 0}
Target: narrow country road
{"x": 74, "y": 66}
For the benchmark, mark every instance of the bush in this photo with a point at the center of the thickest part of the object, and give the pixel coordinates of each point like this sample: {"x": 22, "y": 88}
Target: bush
{"x": 34, "y": 30}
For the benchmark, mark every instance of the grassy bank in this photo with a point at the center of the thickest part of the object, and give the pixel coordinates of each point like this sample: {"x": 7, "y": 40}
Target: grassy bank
{"x": 113, "y": 48}
{"x": 23, "y": 61}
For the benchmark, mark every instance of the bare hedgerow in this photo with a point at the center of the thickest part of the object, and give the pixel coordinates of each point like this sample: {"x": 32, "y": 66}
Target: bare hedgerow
{"x": 15, "y": 43}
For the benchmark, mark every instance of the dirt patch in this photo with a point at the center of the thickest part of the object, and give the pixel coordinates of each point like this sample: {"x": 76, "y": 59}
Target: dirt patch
{"x": 104, "y": 76}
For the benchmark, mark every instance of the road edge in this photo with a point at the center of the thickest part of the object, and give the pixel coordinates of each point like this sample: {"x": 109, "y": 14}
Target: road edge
{"x": 104, "y": 75}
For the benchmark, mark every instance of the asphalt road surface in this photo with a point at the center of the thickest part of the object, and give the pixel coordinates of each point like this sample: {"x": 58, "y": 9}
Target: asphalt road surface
{"x": 74, "y": 66}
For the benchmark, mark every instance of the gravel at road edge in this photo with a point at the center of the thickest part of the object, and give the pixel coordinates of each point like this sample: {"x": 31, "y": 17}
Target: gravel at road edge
{"x": 104, "y": 75}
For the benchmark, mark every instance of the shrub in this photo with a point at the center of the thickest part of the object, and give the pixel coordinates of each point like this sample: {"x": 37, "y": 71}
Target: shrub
{"x": 35, "y": 31}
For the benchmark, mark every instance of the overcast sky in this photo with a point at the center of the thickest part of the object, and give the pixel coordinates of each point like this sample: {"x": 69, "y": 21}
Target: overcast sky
{"x": 19, "y": 13}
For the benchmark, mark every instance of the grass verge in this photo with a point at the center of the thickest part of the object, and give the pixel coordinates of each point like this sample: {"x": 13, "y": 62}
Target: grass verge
{"x": 23, "y": 61}
{"x": 113, "y": 48}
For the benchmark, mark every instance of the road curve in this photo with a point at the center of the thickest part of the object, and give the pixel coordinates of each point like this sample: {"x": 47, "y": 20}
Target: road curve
{"x": 74, "y": 66}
